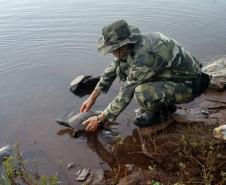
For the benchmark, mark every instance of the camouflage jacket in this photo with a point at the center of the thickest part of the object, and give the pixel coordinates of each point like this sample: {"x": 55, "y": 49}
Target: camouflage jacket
{"x": 155, "y": 57}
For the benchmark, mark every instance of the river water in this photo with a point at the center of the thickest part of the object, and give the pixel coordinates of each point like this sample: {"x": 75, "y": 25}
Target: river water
{"x": 45, "y": 44}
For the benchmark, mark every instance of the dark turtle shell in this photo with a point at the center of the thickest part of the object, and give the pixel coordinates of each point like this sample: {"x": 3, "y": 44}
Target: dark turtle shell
{"x": 75, "y": 121}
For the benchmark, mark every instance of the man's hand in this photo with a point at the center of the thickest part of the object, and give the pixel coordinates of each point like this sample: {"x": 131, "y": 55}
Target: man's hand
{"x": 92, "y": 124}
{"x": 86, "y": 106}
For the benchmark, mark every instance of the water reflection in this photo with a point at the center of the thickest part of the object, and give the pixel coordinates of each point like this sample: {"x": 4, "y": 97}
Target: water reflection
{"x": 124, "y": 155}
{"x": 126, "y": 151}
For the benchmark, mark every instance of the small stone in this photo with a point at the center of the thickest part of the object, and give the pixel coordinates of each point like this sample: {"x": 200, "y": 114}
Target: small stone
{"x": 78, "y": 172}
{"x": 107, "y": 132}
{"x": 89, "y": 180}
{"x": 4, "y": 153}
{"x": 71, "y": 165}
{"x": 83, "y": 175}
{"x": 96, "y": 177}
{"x": 129, "y": 167}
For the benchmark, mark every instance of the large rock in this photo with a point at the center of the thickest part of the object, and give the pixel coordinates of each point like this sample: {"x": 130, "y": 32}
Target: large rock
{"x": 217, "y": 70}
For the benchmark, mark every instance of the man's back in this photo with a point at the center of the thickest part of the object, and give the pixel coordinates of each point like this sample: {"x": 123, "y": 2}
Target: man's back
{"x": 166, "y": 57}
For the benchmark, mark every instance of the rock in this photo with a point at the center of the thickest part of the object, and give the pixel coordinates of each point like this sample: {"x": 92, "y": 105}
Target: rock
{"x": 129, "y": 167}
{"x": 78, "y": 172}
{"x": 196, "y": 115}
{"x": 219, "y": 116}
{"x": 107, "y": 132}
{"x": 83, "y": 174}
{"x": 4, "y": 153}
{"x": 71, "y": 165}
{"x": 95, "y": 178}
{"x": 210, "y": 109}
{"x": 84, "y": 85}
{"x": 217, "y": 70}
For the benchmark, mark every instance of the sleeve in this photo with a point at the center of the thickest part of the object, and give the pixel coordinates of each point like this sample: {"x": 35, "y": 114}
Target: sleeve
{"x": 107, "y": 78}
{"x": 142, "y": 70}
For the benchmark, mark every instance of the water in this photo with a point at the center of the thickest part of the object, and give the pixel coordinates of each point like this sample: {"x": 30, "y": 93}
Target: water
{"x": 45, "y": 44}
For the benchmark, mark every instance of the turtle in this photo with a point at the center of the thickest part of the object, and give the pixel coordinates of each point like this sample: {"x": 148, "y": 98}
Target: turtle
{"x": 75, "y": 121}
{"x": 4, "y": 153}
{"x": 83, "y": 85}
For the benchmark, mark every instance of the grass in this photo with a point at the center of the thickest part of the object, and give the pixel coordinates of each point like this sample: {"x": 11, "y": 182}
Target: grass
{"x": 15, "y": 172}
{"x": 200, "y": 152}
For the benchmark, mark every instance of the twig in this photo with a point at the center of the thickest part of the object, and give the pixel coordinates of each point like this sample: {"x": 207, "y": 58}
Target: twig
{"x": 143, "y": 147}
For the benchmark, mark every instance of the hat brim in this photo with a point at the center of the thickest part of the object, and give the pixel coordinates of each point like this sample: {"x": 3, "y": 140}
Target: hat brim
{"x": 105, "y": 49}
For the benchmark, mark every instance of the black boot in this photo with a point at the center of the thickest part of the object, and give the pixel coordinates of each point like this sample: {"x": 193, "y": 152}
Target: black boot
{"x": 148, "y": 118}
{"x": 171, "y": 108}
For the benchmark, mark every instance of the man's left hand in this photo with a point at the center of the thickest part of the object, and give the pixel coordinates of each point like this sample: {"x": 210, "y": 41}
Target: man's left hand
{"x": 92, "y": 124}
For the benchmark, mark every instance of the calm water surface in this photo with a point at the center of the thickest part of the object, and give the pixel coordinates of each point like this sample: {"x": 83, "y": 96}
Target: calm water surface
{"x": 45, "y": 44}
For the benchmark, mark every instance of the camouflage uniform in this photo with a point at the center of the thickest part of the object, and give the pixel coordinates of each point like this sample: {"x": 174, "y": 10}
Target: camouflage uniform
{"x": 156, "y": 70}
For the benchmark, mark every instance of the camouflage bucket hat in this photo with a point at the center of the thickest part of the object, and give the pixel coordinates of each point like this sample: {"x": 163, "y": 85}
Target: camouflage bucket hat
{"x": 116, "y": 35}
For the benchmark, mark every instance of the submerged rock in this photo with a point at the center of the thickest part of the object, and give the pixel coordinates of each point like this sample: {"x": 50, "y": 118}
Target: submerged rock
{"x": 4, "y": 153}
{"x": 71, "y": 165}
{"x": 96, "y": 177}
{"x": 83, "y": 174}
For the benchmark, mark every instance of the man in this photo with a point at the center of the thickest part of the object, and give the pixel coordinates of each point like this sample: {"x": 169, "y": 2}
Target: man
{"x": 157, "y": 71}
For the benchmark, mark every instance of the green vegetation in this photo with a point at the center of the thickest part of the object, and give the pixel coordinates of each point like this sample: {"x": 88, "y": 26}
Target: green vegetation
{"x": 201, "y": 158}
{"x": 15, "y": 172}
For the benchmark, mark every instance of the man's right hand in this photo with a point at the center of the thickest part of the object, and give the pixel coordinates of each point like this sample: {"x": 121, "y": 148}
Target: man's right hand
{"x": 86, "y": 106}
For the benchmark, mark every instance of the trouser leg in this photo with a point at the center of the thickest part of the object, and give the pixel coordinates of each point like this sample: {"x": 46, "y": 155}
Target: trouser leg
{"x": 156, "y": 98}
{"x": 153, "y": 96}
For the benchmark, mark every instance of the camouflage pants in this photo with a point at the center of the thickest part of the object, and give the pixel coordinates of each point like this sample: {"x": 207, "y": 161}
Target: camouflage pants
{"x": 153, "y": 96}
